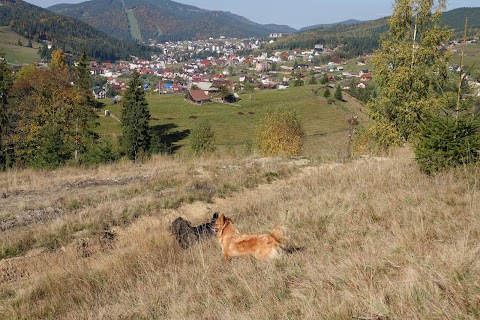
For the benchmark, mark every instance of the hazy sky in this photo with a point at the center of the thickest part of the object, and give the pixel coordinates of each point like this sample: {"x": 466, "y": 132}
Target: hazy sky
{"x": 296, "y": 13}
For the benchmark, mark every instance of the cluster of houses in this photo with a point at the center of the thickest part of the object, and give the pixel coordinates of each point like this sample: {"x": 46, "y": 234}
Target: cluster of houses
{"x": 180, "y": 69}
{"x": 202, "y": 69}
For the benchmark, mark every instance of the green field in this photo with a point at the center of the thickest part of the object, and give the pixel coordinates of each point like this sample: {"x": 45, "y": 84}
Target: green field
{"x": 234, "y": 125}
{"x": 133, "y": 24}
{"x": 471, "y": 58}
{"x": 15, "y": 54}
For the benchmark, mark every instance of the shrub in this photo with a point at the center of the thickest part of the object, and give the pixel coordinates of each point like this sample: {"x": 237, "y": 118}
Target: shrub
{"x": 445, "y": 143}
{"x": 326, "y": 93}
{"x": 280, "y": 134}
{"x": 202, "y": 138}
{"x": 99, "y": 151}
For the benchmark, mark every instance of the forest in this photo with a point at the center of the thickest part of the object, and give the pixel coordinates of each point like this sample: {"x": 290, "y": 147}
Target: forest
{"x": 68, "y": 34}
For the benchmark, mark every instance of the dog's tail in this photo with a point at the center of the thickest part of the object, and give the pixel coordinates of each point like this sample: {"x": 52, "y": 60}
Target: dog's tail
{"x": 279, "y": 234}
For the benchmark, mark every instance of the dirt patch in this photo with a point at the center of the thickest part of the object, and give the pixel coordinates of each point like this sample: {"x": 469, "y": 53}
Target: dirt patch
{"x": 5, "y": 195}
{"x": 105, "y": 182}
{"x": 27, "y": 217}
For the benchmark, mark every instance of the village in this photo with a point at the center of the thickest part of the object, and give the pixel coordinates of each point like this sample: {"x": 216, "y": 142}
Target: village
{"x": 220, "y": 69}
{"x": 227, "y": 66}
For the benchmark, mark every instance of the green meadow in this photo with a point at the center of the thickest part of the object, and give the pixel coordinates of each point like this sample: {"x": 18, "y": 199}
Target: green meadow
{"x": 236, "y": 124}
{"x": 15, "y": 54}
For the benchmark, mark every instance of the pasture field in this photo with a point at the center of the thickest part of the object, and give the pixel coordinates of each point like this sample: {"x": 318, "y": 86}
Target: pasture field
{"x": 471, "y": 58}
{"x": 236, "y": 124}
{"x": 15, "y": 54}
{"x": 381, "y": 240}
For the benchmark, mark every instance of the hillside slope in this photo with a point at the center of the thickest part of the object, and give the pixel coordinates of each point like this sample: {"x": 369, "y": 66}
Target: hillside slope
{"x": 381, "y": 241}
{"x": 14, "y": 53}
{"x": 358, "y": 38}
{"x": 64, "y": 33}
{"x": 164, "y": 20}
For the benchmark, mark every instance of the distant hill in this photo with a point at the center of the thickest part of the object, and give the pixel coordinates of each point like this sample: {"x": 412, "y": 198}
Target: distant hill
{"x": 163, "y": 20}
{"x": 64, "y": 33}
{"x": 455, "y": 19}
{"x": 326, "y": 25}
{"x": 355, "y": 39}
{"x": 16, "y": 48}
{"x": 358, "y": 38}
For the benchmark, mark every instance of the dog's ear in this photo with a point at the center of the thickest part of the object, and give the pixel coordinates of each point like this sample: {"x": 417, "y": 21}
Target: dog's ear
{"x": 226, "y": 220}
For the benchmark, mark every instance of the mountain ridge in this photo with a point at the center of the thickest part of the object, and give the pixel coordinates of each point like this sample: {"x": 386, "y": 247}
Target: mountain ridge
{"x": 326, "y": 25}
{"x": 70, "y": 35}
{"x": 164, "y": 20}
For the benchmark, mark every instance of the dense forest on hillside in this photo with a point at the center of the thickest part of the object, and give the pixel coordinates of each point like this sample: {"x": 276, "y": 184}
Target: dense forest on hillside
{"x": 64, "y": 33}
{"x": 360, "y": 38}
{"x": 356, "y": 39}
{"x": 164, "y": 20}
{"x": 455, "y": 19}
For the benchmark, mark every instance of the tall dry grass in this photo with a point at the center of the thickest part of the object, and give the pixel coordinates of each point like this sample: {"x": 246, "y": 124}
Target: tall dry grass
{"x": 382, "y": 241}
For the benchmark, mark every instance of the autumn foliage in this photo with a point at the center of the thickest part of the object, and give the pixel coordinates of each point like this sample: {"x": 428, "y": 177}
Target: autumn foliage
{"x": 280, "y": 134}
{"x": 50, "y": 120}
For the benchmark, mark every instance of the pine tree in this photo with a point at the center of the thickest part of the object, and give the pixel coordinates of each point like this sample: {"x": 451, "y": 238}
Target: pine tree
{"x": 338, "y": 93}
{"x": 52, "y": 151}
{"x": 136, "y": 135}
{"x": 324, "y": 79}
{"x": 84, "y": 115}
{"x": 445, "y": 142}
{"x": 327, "y": 93}
{"x": 451, "y": 138}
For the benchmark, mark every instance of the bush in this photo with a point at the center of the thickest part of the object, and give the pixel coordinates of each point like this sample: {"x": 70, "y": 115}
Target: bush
{"x": 280, "y": 134}
{"x": 51, "y": 150}
{"x": 202, "y": 138}
{"x": 99, "y": 151}
{"x": 326, "y": 93}
{"x": 446, "y": 143}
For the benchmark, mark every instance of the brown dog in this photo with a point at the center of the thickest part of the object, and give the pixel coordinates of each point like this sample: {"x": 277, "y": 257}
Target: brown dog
{"x": 235, "y": 244}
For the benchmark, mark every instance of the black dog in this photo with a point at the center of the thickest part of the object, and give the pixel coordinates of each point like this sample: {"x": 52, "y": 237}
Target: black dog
{"x": 186, "y": 235}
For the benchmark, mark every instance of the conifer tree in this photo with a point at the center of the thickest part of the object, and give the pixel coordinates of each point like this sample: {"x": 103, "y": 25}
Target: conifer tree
{"x": 84, "y": 115}
{"x": 338, "y": 93}
{"x": 324, "y": 79}
{"x": 326, "y": 93}
{"x": 136, "y": 134}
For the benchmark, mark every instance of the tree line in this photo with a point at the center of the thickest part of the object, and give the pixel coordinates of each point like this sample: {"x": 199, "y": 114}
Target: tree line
{"x": 48, "y": 118}
{"x": 418, "y": 100}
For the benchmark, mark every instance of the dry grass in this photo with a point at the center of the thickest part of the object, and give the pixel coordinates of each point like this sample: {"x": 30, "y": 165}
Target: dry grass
{"x": 383, "y": 241}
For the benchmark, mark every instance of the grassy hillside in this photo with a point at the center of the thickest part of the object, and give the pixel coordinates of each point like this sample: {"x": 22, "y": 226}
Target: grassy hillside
{"x": 133, "y": 26}
{"x": 382, "y": 241}
{"x": 15, "y": 54}
{"x": 65, "y": 33}
{"x": 235, "y": 125}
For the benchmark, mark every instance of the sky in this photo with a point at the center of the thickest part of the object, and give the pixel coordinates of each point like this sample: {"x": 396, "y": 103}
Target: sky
{"x": 296, "y": 13}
